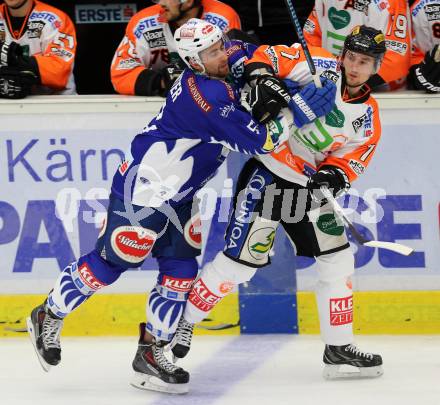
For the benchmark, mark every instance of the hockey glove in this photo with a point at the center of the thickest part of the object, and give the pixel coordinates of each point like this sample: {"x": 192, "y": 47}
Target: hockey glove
{"x": 15, "y": 84}
{"x": 313, "y": 102}
{"x": 267, "y": 98}
{"x": 12, "y": 55}
{"x": 169, "y": 75}
{"x": 426, "y": 75}
{"x": 7, "y": 50}
{"x": 331, "y": 177}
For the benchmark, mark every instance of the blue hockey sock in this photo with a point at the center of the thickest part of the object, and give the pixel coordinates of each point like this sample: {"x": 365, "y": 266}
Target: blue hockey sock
{"x": 168, "y": 298}
{"x": 79, "y": 281}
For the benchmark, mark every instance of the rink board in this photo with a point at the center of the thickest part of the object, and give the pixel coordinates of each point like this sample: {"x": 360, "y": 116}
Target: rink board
{"x": 380, "y": 312}
{"x": 65, "y": 153}
{"x": 384, "y": 312}
{"x": 110, "y": 315}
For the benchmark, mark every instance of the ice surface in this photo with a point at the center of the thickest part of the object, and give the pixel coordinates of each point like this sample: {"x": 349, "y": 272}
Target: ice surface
{"x": 226, "y": 370}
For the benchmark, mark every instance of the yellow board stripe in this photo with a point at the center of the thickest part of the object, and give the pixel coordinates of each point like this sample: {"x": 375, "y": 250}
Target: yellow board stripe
{"x": 108, "y": 314}
{"x": 381, "y": 312}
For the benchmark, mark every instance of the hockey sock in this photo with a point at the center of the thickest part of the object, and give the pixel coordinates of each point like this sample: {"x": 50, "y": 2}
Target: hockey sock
{"x": 335, "y": 297}
{"x": 217, "y": 279}
{"x": 79, "y": 281}
{"x": 168, "y": 298}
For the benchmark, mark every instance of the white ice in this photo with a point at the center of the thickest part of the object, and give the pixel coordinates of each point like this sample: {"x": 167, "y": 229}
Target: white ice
{"x": 226, "y": 370}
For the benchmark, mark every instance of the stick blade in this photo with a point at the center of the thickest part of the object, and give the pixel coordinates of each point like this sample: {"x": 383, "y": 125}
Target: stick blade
{"x": 395, "y": 247}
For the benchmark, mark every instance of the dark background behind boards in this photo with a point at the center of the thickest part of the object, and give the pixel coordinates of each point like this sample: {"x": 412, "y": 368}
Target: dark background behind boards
{"x": 97, "y": 43}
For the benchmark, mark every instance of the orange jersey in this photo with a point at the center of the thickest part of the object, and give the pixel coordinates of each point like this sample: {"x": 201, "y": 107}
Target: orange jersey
{"x": 346, "y": 137}
{"x": 49, "y": 36}
{"x": 425, "y": 15}
{"x": 332, "y": 20}
{"x": 149, "y": 43}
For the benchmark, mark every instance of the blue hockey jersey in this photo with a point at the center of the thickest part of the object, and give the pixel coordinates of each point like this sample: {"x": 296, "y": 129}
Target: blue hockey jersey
{"x": 201, "y": 121}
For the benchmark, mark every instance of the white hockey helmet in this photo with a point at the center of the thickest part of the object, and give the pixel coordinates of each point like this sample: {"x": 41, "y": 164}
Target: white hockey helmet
{"x": 195, "y": 36}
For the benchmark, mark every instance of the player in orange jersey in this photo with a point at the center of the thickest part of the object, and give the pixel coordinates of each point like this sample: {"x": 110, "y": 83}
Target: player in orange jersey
{"x": 425, "y": 61}
{"x": 37, "y": 49}
{"x": 331, "y": 20}
{"x": 141, "y": 65}
{"x": 284, "y": 188}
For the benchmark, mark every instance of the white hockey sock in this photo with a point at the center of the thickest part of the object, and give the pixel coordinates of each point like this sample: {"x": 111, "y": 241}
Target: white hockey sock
{"x": 334, "y": 297}
{"x": 335, "y": 307}
{"x": 216, "y": 280}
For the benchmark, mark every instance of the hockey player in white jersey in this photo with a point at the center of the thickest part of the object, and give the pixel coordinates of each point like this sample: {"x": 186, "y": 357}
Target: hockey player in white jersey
{"x": 151, "y": 206}
{"x": 37, "y": 49}
{"x": 332, "y": 20}
{"x": 425, "y": 59}
{"x": 331, "y": 151}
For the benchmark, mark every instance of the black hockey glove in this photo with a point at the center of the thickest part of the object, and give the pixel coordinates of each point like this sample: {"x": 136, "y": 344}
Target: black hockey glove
{"x": 12, "y": 55}
{"x": 169, "y": 74}
{"x": 16, "y": 84}
{"x": 267, "y": 98}
{"x": 7, "y": 51}
{"x": 331, "y": 177}
{"x": 426, "y": 75}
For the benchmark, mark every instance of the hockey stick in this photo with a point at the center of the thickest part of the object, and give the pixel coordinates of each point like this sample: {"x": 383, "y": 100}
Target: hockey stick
{"x": 395, "y": 247}
{"x": 303, "y": 42}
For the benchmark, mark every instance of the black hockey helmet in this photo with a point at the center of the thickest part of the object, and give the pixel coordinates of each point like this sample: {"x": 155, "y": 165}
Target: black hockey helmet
{"x": 366, "y": 40}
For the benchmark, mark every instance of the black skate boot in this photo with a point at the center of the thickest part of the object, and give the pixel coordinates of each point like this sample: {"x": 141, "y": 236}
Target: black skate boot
{"x": 44, "y": 329}
{"x": 153, "y": 371}
{"x": 362, "y": 364}
{"x": 181, "y": 342}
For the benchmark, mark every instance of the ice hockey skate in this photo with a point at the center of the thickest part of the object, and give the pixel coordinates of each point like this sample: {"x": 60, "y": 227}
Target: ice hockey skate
{"x": 349, "y": 362}
{"x": 153, "y": 371}
{"x": 181, "y": 342}
{"x": 44, "y": 330}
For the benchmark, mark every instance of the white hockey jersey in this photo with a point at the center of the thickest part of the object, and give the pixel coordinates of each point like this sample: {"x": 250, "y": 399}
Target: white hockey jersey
{"x": 425, "y": 16}
{"x": 346, "y": 137}
{"x": 332, "y": 20}
{"x": 149, "y": 43}
{"x": 49, "y": 35}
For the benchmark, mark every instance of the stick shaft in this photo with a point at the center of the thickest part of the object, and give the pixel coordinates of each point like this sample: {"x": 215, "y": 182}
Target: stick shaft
{"x": 303, "y": 42}
{"x": 339, "y": 212}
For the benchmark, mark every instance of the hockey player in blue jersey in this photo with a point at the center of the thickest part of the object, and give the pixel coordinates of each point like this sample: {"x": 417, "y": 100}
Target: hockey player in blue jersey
{"x": 151, "y": 204}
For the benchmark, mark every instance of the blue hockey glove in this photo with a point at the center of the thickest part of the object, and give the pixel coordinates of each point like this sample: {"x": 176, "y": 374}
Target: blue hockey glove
{"x": 292, "y": 86}
{"x": 313, "y": 102}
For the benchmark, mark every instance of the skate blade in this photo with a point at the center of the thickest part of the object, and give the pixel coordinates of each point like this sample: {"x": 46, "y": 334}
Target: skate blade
{"x": 152, "y": 383}
{"x": 30, "y": 328}
{"x": 339, "y": 372}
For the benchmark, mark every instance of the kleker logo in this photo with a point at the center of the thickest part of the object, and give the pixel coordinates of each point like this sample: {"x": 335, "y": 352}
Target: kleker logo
{"x": 341, "y": 311}
{"x": 88, "y": 278}
{"x": 202, "y": 297}
{"x": 177, "y": 284}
